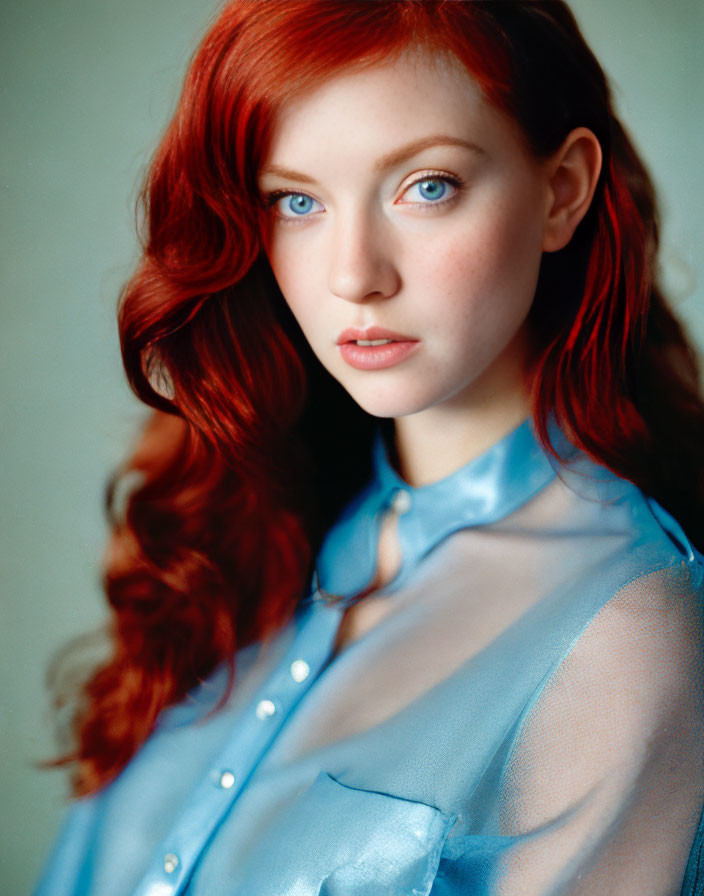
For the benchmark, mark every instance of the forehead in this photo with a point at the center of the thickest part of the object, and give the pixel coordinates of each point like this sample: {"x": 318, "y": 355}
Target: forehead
{"x": 414, "y": 95}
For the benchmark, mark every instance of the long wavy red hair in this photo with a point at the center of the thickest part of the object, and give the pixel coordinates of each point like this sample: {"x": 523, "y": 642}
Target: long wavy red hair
{"x": 253, "y": 449}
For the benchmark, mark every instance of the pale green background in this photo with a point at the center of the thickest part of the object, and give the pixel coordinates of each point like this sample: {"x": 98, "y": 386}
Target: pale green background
{"x": 87, "y": 86}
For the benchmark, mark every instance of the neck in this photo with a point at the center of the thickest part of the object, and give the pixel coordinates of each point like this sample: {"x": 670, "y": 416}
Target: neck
{"x": 438, "y": 441}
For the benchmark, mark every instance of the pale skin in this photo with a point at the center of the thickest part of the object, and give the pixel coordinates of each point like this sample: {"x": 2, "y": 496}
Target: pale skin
{"x": 401, "y": 198}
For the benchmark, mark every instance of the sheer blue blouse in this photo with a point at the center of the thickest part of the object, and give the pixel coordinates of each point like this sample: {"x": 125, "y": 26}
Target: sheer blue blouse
{"x": 526, "y": 717}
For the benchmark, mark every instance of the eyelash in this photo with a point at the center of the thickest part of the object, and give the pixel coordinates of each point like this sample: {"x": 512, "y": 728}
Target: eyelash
{"x": 272, "y": 198}
{"x": 451, "y": 179}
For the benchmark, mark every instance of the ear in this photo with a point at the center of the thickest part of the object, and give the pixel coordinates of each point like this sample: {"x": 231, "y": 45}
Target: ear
{"x": 573, "y": 172}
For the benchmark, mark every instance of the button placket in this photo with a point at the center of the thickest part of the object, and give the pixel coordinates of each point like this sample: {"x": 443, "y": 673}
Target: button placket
{"x": 207, "y": 805}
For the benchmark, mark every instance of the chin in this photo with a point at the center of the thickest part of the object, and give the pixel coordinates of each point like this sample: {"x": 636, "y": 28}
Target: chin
{"x": 379, "y": 404}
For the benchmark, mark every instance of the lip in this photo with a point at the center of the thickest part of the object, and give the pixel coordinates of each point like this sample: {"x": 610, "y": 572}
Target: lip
{"x": 375, "y": 357}
{"x": 352, "y": 334}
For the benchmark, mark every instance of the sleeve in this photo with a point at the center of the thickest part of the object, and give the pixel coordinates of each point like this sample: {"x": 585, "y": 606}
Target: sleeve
{"x": 604, "y": 785}
{"x": 68, "y": 868}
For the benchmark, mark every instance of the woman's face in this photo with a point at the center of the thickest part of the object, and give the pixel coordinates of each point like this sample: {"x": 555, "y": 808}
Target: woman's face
{"x": 402, "y": 201}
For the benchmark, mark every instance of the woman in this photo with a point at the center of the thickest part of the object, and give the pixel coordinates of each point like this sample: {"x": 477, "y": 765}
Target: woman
{"x": 407, "y": 591}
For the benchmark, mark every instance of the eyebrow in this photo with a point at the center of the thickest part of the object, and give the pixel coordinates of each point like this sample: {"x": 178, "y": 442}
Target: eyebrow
{"x": 390, "y": 160}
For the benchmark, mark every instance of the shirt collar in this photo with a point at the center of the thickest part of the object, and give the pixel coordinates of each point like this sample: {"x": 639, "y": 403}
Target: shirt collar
{"x": 488, "y": 488}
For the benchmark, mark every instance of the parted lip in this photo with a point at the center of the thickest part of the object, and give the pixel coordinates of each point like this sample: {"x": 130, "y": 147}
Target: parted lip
{"x": 352, "y": 334}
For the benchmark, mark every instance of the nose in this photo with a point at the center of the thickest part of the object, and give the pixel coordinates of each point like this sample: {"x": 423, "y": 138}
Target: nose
{"x": 361, "y": 261}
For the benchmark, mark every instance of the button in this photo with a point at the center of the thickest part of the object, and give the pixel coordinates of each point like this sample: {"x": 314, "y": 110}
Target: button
{"x": 401, "y": 501}
{"x": 265, "y": 708}
{"x": 159, "y": 888}
{"x": 227, "y": 780}
{"x": 300, "y": 670}
{"x": 170, "y": 863}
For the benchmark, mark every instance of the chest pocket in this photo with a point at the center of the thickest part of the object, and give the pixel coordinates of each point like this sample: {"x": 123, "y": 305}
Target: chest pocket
{"x": 336, "y": 840}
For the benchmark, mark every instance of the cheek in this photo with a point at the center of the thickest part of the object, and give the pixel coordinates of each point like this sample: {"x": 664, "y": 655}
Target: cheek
{"x": 294, "y": 274}
{"x": 495, "y": 257}
{"x": 485, "y": 283}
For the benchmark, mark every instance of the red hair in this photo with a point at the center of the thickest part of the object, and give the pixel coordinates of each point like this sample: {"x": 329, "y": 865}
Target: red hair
{"x": 253, "y": 449}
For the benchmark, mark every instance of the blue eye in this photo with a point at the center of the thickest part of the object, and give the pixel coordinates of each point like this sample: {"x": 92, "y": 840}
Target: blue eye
{"x": 294, "y": 205}
{"x": 431, "y": 190}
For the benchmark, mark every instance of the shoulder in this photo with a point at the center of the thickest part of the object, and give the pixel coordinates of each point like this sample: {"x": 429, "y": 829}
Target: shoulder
{"x": 604, "y": 785}
{"x": 637, "y": 659}
{"x": 635, "y": 535}
{"x": 628, "y": 685}
{"x": 619, "y": 723}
